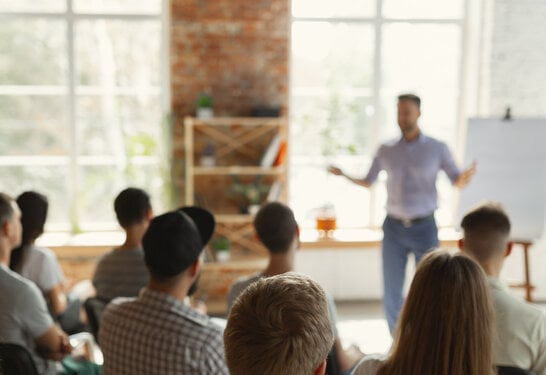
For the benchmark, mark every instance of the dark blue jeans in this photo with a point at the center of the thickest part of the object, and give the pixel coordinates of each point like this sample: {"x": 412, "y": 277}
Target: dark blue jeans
{"x": 398, "y": 242}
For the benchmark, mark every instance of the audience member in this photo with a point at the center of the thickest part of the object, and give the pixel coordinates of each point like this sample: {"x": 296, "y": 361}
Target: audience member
{"x": 122, "y": 272}
{"x": 40, "y": 265}
{"x": 25, "y": 320}
{"x": 157, "y": 333}
{"x": 278, "y": 231}
{"x": 521, "y": 327}
{"x": 279, "y": 325}
{"x": 447, "y": 322}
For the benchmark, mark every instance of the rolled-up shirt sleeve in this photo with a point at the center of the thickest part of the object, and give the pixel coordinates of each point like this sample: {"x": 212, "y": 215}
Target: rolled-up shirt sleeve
{"x": 448, "y": 165}
{"x": 375, "y": 168}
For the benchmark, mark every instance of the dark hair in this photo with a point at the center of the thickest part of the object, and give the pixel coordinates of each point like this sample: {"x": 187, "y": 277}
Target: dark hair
{"x": 131, "y": 206}
{"x": 486, "y": 230}
{"x": 276, "y": 226}
{"x": 34, "y": 207}
{"x": 410, "y": 98}
{"x": 6, "y": 208}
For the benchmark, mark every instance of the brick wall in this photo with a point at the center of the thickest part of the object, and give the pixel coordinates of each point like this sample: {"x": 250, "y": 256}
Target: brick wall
{"x": 236, "y": 50}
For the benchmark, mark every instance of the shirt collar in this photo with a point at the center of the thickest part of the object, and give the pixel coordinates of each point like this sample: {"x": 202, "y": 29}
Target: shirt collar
{"x": 165, "y": 301}
{"x": 496, "y": 283}
{"x": 420, "y": 139}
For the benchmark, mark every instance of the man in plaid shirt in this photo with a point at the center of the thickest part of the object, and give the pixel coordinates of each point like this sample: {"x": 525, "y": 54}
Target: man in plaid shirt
{"x": 157, "y": 333}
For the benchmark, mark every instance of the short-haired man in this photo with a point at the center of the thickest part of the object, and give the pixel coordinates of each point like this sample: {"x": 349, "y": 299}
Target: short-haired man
{"x": 412, "y": 163}
{"x": 157, "y": 333}
{"x": 521, "y": 327}
{"x": 279, "y": 325}
{"x": 277, "y": 229}
{"x": 122, "y": 272}
{"x": 24, "y": 318}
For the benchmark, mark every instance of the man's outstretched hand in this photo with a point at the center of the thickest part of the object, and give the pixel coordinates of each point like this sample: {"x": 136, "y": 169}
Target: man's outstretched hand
{"x": 335, "y": 170}
{"x": 466, "y": 176}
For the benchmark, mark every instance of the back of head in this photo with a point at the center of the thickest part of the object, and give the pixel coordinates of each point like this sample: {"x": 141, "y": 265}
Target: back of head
{"x": 486, "y": 231}
{"x": 34, "y": 207}
{"x": 446, "y": 325}
{"x": 276, "y": 227}
{"x": 132, "y": 206}
{"x": 279, "y": 325}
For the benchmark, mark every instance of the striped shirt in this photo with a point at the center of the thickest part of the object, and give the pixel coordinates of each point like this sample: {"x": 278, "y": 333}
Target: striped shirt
{"x": 120, "y": 273}
{"x": 157, "y": 334}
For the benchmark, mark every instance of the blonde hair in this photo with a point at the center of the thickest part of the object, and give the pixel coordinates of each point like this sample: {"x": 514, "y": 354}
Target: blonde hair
{"x": 446, "y": 325}
{"x": 279, "y": 325}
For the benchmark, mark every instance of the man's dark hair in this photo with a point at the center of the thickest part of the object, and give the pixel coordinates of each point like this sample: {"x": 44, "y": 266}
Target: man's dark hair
{"x": 410, "y": 98}
{"x": 6, "y": 208}
{"x": 486, "y": 230}
{"x": 276, "y": 227}
{"x": 132, "y": 206}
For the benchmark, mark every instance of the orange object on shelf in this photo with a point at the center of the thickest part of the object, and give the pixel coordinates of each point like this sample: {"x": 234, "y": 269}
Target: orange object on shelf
{"x": 326, "y": 223}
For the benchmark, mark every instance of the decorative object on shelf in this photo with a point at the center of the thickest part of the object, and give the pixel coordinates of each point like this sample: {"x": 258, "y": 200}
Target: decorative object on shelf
{"x": 221, "y": 249}
{"x": 252, "y": 192}
{"x": 208, "y": 155}
{"x": 265, "y": 111}
{"x": 326, "y": 220}
{"x": 204, "y": 108}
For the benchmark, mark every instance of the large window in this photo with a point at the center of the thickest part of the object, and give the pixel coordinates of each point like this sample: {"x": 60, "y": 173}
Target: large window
{"x": 81, "y": 103}
{"x": 349, "y": 61}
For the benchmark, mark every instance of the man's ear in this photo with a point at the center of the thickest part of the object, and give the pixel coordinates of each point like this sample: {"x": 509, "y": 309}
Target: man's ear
{"x": 321, "y": 370}
{"x": 460, "y": 243}
{"x": 509, "y": 247}
{"x": 149, "y": 214}
{"x": 195, "y": 267}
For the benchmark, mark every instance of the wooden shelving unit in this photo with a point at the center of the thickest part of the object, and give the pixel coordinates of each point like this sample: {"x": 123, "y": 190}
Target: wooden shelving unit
{"x": 239, "y": 143}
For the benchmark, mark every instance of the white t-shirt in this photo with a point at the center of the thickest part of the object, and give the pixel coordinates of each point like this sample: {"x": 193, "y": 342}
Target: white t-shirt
{"x": 40, "y": 265}
{"x": 369, "y": 365}
{"x": 521, "y": 329}
{"x": 23, "y": 315}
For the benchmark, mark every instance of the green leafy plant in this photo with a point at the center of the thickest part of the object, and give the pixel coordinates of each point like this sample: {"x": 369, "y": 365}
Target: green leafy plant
{"x": 252, "y": 192}
{"x": 220, "y": 244}
{"x": 204, "y": 100}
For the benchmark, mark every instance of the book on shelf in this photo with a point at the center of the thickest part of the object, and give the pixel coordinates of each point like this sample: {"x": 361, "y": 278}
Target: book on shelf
{"x": 271, "y": 152}
{"x": 274, "y": 191}
{"x": 281, "y": 154}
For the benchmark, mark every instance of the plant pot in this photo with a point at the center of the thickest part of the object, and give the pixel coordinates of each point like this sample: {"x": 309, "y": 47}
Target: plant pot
{"x": 205, "y": 113}
{"x": 222, "y": 256}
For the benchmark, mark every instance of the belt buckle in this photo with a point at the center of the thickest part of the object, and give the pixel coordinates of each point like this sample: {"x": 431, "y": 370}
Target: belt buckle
{"x": 407, "y": 223}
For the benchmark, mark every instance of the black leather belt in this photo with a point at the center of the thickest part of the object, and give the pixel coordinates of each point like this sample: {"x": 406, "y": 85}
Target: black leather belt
{"x": 410, "y": 222}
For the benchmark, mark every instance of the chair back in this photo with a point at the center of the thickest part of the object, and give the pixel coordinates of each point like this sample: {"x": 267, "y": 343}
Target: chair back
{"x": 507, "y": 370}
{"x": 94, "y": 307}
{"x": 16, "y": 360}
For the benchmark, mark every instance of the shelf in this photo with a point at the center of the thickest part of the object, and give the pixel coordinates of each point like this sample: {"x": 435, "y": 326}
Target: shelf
{"x": 234, "y": 218}
{"x": 237, "y": 170}
{"x": 238, "y": 121}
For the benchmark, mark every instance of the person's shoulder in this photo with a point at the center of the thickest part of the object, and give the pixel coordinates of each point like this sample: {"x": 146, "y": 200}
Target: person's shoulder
{"x": 244, "y": 282}
{"x": 369, "y": 365}
{"x": 21, "y": 287}
{"x": 506, "y": 303}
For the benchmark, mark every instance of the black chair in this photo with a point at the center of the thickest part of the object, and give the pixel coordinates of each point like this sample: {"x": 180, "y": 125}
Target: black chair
{"x": 332, "y": 364}
{"x": 506, "y": 370}
{"x": 16, "y": 360}
{"x": 94, "y": 307}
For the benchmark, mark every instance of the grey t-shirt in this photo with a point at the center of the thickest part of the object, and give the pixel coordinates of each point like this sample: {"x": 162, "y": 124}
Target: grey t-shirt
{"x": 23, "y": 315}
{"x": 120, "y": 273}
{"x": 240, "y": 285}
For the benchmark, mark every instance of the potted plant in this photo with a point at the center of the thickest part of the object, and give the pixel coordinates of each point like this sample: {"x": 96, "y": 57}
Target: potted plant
{"x": 221, "y": 249}
{"x": 252, "y": 194}
{"x": 204, "y": 106}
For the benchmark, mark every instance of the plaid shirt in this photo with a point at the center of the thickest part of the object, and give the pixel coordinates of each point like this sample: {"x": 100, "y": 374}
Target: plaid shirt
{"x": 156, "y": 334}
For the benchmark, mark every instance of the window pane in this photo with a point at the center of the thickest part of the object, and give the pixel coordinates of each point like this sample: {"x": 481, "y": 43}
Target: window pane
{"x": 330, "y": 125}
{"x": 423, "y": 8}
{"x": 33, "y": 125}
{"x": 328, "y": 8}
{"x": 112, "y": 53}
{"x": 331, "y": 55}
{"x": 51, "y": 181}
{"x": 32, "y": 5}
{"x": 118, "y": 6}
{"x": 418, "y": 57}
{"x": 119, "y": 125}
{"x": 99, "y": 185}
{"x": 33, "y": 52}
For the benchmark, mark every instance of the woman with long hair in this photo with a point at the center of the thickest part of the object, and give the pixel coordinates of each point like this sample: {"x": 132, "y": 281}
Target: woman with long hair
{"x": 446, "y": 324}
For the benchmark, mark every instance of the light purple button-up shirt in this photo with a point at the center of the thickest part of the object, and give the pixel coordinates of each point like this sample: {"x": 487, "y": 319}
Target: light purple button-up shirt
{"x": 412, "y": 169}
